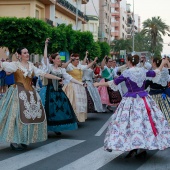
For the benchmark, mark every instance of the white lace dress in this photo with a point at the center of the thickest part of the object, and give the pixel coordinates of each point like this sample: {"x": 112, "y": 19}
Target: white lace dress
{"x": 137, "y": 123}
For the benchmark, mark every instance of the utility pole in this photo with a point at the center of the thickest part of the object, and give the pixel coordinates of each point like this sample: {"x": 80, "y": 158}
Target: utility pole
{"x": 133, "y": 30}
{"x": 77, "y": 14}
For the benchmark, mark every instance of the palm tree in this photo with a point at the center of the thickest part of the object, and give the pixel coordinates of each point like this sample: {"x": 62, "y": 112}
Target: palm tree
{"x": 122, "y": 44}
{"x": 155, "y": 28}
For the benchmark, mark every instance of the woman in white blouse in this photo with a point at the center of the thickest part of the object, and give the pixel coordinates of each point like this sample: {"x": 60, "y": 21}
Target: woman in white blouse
{"x": 60, "y": 114}
{"x": 76, "y": 93}
{"x": 22, "y": 118}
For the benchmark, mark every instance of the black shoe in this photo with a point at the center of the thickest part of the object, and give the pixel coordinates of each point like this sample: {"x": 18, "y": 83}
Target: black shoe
{"x": 24, "y": 146}
{"x": 16, "y": 147}
{"x": 58, "y": 133}
{"x": 141, "y": 154}
{"x": 109, "y": 150}
{"x": 109, "y": 109}
{"x": 131, "y": 154}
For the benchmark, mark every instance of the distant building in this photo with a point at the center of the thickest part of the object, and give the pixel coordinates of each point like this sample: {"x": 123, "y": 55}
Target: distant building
{"x": 54, "y": 12}
{"x": 105, "y": 20}
{"x": 92, "y": 26}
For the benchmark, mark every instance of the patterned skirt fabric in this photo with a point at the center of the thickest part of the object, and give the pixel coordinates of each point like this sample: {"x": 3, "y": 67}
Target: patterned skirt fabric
{"x": 114, "y": 96}
{"x": 164, "y": 104}
{"x": 60, "y": 114}
{"x": 130, "y": 127}
{"x": 94, "y": 98}
{"x": 90, "y": 104}
{"x": 11, "y": 128}
{"x": 78, "y": 99}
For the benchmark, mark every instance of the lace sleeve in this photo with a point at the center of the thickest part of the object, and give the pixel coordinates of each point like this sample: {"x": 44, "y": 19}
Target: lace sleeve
{"x": 157, "y": 77}
{"x": 8, "y": 66}
{"x": 113, "y": 86}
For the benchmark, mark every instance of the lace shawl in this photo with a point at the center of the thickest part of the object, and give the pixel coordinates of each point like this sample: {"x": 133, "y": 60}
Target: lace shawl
{"x": 162, "y": 77}
{"x": 135, "y": 74}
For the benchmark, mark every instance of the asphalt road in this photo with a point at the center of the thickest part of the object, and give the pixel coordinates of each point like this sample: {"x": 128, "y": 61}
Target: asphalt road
{"x": 79, "y": 150}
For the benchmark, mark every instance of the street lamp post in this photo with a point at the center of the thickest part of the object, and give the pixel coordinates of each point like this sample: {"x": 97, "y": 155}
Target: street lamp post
{"x": 77, "y": 14}
{"x": 133, "y": 26}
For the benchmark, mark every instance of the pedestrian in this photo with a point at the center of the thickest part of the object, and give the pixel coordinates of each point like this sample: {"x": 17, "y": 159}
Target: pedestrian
{"x": 138, "y": 123}
{"x": 22, "y": 118}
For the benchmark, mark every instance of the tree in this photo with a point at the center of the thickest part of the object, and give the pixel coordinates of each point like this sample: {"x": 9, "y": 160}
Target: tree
{"x": 105, "y": 48}
{"x": 84, "y": 42}
{"x": 23, "y": 32}
{"x": 155, "y": 28}
{"x": 58, "y": 41}
{"x": 122, "y": 44}
{"x": 95, "y": 51}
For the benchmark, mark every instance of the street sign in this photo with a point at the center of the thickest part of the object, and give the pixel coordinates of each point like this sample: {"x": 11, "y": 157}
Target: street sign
{"x": 123, "y": 54}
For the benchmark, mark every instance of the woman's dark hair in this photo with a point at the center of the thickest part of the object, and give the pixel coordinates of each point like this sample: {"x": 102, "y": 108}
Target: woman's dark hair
{"x": 19, "y": 50}
{"x": 76, "y": 55}
{"x": 133, "y": 59}
{"x": 53, "y": 56}
{"x": 157, "y": 61}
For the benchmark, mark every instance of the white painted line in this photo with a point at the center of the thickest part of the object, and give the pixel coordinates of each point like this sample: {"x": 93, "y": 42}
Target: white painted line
{"x": 103, "y": 128}
{"x": 4, "y": 145}
{"x": 92, "y": 161}
{"x": 38, "y": 154}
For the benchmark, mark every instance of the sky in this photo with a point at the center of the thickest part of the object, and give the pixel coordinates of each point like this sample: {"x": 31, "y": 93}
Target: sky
{"x": 146, "y": 9}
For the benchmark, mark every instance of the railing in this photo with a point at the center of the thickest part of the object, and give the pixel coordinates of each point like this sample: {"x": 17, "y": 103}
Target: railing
{"x": 48, "y": 21}
{"x": 72, "y": 8}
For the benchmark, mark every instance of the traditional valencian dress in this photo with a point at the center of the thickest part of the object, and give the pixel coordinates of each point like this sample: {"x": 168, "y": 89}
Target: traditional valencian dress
{"x": 76, "y": 93}
{"x": 22, "y": 116}
{"x": 108, "y": 96}
{"x": 158, "y": 91}
{"x": 94, "y": 101}
{"x": 60, "y": 114}
{"x": 137, "y": 123}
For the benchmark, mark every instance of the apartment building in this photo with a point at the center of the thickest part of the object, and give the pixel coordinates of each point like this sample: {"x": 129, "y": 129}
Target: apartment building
{"x": 105, "y": 17}
{"x": 130, "y": 19}
{"x": 92, "y": 26}
{"x": 115, "y": 20}
{"x": 54, "y": 12}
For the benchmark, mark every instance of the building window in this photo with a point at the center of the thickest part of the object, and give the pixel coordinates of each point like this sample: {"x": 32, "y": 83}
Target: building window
{"x": 37, "y": 14}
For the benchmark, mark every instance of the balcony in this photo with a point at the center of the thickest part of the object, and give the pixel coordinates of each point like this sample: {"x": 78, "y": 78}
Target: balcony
{"x": 129, "y": 36}
{"x": 85, "y": 1}
{"x": 115, "y": 24}
{"x": 48, "y": 21}
{"x": 68, "y": 9}
{"x": 48, "y": 2}
{"x": 115, "y": 34}
{"x": 115, "y": 5}
{"x": 116, "y": 14}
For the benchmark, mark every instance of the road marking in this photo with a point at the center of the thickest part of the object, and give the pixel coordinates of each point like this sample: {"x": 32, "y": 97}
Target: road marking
{"x": 38, "y": 154}
{"x": 103, "y": 128}
{"x": 94, "y": 160}
{"x": 4, "y": 145}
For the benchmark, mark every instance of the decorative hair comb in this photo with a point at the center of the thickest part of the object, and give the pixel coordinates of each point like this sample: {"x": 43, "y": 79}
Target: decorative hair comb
{"x": 133, "y": 59}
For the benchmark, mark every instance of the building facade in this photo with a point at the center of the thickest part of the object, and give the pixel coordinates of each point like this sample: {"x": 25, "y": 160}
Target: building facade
{"x": 115, "y": 21}
{"x": 105, "y": 17}
{"x": 54, "y": 12}
{"x": 92, "y": 26}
